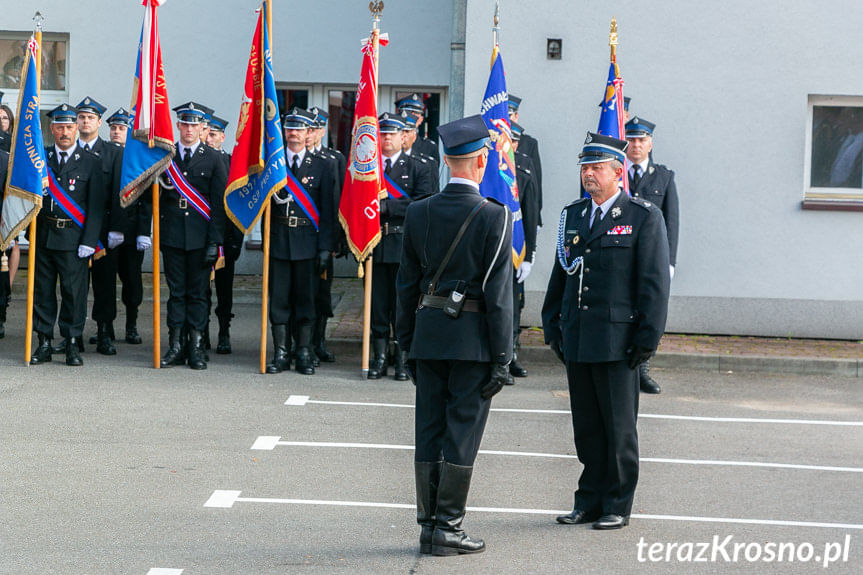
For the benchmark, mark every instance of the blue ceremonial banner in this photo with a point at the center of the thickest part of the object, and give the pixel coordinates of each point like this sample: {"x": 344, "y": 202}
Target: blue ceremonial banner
{"x": 258, "y": 166}
{"x": 610, "y": 118}
{"x": 499, "y": 181}
{"x": 28, "y": 171}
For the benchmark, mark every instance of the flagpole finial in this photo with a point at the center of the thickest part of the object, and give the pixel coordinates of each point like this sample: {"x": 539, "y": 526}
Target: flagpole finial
{"x": 38, "y": 19}
{"x": 496, "y": 27}
{"x": 376, "y": 7}
{"x": 612, "y": 38}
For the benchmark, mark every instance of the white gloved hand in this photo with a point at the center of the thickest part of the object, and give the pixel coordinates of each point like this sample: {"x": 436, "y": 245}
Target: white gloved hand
{"x": 143, "y": 243}
{"x": 671, "y": 271}
{"x": 115, "y": 239}
{"x": 85, "y": 251}
{"x": 523, "y": 271}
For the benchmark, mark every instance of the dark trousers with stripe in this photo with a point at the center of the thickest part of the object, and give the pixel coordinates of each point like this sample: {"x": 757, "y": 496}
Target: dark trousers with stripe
{"x": 72, "y": 272}
{"x": 187, "y": 278}
{"x": 292, "y": 292}
{"x": 604, "y": 402}
{"x": 103, "y": 275}
{"x": 383, "y": 298}
{"x": 450, "y": 412}
{"x": 129, "y": 262}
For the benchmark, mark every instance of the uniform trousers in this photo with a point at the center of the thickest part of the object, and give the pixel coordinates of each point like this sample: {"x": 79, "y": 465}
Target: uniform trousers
{"x": 517, "y": 304}
{"x": 324, "y": 295}
{"x": 104, "y": 278}
{"x": 604, "y": 402}
{"x": 383, "y": 298}
{"x": 224, "y": 280}
{"x": 292, "y": 292}
{"x": 187, "y": 279}
{"x": 73, "y": 274}
{"x": 129, "y": 262}
{"x": 450, "y": 412}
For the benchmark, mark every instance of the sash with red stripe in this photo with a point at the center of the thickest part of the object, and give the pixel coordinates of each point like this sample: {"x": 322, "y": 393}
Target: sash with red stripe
{"x": 70, "y": 207}
{"x": 303, "y": 199}
{"x": 185, "y": 189}
{"x": 393, "y": 188}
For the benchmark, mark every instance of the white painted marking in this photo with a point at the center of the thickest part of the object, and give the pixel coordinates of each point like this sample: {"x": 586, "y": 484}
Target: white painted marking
{"x": 266, "y": 442}
{"x": 304, "y": 399}
{"x": 223, "y": 499}
{"x": 717, "y": 462}
{"x": 554, "y": 512}
{"x": 163, "y": 571}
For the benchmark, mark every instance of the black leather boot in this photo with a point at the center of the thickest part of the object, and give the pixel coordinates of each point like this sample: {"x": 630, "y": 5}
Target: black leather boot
{"x": 175, "y": 354}
{"x": 73, "y": 358}
{"x": 196, "y": 350}
{"x": 427, "y": 475}
{"x": 646, "y": 382}
{"x": 378, "y": 365}
{"x": 224, "y": 345}
{"x": 43, "y": 352}
{"x": 320, "y": 341}
{"x": 104, "y": 345}
{"x": 132, "y": 335}
{"x": 281, "y": 359}
{"x": 305, "y": 361}
{"x": 401, "y": 357}
{"x": 205, "y": 341}
{"x": 61, "y": 347}
{"x": 515, "y": 368}
{"x": 448, "y": 537}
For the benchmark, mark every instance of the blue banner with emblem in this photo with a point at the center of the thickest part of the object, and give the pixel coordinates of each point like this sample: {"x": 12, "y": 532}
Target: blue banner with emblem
{"x": 499, "y": 181}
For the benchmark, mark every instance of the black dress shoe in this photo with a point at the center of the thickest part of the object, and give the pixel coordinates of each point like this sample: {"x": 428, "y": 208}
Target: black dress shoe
{"x": 224, "y": 346}
{"x": 645, "y": 382}
{"x": 611, "y": 521}
{"x": 132, "y": 335}
{"x": 516, "y": 369}
{"x": 61, "y": 347}
{"x": 578, "y": 516}
{"x": 72, "y": 356}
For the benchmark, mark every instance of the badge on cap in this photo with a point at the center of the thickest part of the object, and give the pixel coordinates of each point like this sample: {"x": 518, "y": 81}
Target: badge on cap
{"x": 87, "y": 101}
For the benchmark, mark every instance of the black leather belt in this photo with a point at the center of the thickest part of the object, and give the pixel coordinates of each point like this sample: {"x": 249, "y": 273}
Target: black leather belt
{"x": 388, "y": 229}
{"x": 294, "y": 221}
{"x": 438, "y": 302}
{"x": 58, "y": 222}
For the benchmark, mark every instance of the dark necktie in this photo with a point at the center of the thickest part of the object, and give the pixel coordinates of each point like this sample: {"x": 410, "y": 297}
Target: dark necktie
{"x": 63, "y": 159}
{"x": 597, "y": 216}
{"x": 388, "y": 167}
{"x": 187, "y": 155}
{"x": 295, "y": 164}
{"x": 636, "y": 176}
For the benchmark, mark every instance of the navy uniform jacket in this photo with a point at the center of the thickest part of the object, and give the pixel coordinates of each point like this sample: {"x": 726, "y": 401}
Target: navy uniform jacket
{"x": 5, "y": 141}
{"x": 527, "y": 195}
{"x": 416, "y": 181}
{"x": 111, "y": 157}
{"x": 428, "y": 149}
{"x": 657, "y": 187}
{"x": 185, "y": 228}
{"x": 338, "y": 167}
{"x": 625, "y": 284}
{"x": 428, "y": 163}
{"x": 304, "y": 242}
{"x": 483, "y": 261}
{"x": 83, "y": 171}
{"x": 530, "y": 147}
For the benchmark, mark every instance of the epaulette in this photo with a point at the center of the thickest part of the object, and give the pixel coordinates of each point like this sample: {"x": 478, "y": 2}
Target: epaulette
{"x": 115, "y": 144}
{"x": 497, "y": 201}
{"x": 574, "y": 202}
{"x": 640, "y": 202}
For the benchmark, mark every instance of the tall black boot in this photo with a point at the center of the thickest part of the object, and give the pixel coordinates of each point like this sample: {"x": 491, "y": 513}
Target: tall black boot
{"x": 132, "y": 335}
{"x": 196, "y": 350}
{"x": 175, "y": 354}
{"x": 378, "y": 365}
{"x": 321, "y": 341}
{"x": 515, "y": 368}
{"x": 401, "y": 357}
{"x": 104, "y": 345}
{"x": 448, "y": 537}
{"x": 646, "y": 382}
{"x": 224, "y": 345}
{"x": 281, "y": 358}
{"x": 305, "y": 362}
{"x": 427, "y": 475}
{"x": 73, "y": 358}
{"x": 43, "y": 352}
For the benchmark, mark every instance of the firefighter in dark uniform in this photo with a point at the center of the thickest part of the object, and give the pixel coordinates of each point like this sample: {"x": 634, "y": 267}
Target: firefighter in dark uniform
{"x": 604, "y": 313}
{"x": 324, "y": 295}
{"x": 104, "y": 270}
{"x": 528, "y": 200}
{"x": 411, "y": 181}
{"x": 5, "y": 137}
{"x": 655, "y": 183}
{"x": 454, "y": 319}
{"x": 233, "y": 245}
{"x": 423, "y": 145}
{"x": 131, "y": 226}
{"x": 63, "y": 248}
{"x": 530, "y": 147}
{"x": 5, "y": 285}
{"x": 189, "y": 241}
{"x": 409, "y": 137}
{"x": 299, "y": 246}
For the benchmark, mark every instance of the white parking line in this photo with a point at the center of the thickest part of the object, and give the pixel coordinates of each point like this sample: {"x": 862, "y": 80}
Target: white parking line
{"x": 163, "y": 571}
{"x": 301, "y": 400}
{"x": 227, "y": 499}
{"x": 270, "y": 442}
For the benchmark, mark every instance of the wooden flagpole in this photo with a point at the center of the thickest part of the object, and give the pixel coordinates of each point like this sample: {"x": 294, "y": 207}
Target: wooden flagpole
{"x": 31, "y": 248}
{"x": 265, "y": 233}
{"x": 157, "y": 287}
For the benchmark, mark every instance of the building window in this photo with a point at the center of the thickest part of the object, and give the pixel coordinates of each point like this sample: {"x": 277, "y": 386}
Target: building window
{"x": 55, "y": 49}
{"x": 834, "y": 157}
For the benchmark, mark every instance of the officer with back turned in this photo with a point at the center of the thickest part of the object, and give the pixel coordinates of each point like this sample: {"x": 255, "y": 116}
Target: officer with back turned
{"x": 454, "y": 319}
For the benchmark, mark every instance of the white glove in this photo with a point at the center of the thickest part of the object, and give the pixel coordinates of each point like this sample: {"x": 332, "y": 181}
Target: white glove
{"x": 85, "y": 251}
{"x": 143, "y": 243}
{"x": 523, "y": 271}
{"x": 115, "y": 239}
{"x": 671, "y": 271}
